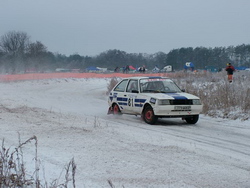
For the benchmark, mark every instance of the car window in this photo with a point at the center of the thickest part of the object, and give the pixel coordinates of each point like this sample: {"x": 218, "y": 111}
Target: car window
{"x": 132, "y": 86}
{"x": 121, "y": 86}
{"x": 155, "y": 86}
{"x": 158, "y": 85}
{"x": 170, "y": 86}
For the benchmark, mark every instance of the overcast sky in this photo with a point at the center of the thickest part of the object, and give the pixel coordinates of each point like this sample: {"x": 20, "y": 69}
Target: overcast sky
{"x": 89, "y": 27}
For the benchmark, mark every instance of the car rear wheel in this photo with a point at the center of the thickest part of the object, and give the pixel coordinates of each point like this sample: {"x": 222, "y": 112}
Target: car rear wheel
{"x": 149, "y": 116}
{"x": 116, "y": 110}
{"x": 192, "y": 120}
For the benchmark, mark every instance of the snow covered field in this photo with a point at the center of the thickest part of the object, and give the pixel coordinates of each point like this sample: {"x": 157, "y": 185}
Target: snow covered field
{"x": 69, "y": 118}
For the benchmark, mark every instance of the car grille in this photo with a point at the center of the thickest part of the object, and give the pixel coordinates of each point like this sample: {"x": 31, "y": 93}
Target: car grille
{"x": 181, "y": 102}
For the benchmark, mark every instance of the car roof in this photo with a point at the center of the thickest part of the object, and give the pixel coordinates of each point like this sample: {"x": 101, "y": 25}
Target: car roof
{"x": 147, "y": 77}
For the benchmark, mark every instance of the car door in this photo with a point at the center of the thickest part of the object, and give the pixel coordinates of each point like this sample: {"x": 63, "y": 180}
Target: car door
{"x": 131, "y": 94}
{"x": 120, "y": 96}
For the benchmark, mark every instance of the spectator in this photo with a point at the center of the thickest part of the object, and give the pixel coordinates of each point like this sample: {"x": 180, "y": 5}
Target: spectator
{"x": 117, "y": 69}
{"x": 127, "y": 69}
{"x": 230, "y": 69}
{"x": 142, "y": 69}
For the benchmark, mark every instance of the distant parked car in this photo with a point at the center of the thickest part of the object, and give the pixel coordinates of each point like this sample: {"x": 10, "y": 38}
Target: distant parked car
{"x": 153, "y": 98}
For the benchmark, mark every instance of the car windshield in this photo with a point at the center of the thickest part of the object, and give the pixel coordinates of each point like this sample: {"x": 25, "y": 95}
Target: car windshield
{"x": 158, "y": 85}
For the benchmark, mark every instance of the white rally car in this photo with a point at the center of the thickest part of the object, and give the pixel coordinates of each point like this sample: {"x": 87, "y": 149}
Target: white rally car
{"x": 153, "y": 98}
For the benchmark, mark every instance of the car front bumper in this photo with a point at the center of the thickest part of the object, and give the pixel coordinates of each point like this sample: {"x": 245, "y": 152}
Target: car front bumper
{"x": 171, "y": 110}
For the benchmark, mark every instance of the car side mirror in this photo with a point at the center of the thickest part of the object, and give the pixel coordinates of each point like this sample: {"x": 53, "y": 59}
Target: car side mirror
{"x": 135, "y": 91}
{"x": 183, "y": 90}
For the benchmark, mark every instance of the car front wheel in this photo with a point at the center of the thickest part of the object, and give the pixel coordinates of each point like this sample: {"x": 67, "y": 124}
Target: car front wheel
{"x": 192, "y": 120}
{"x": 149, "y": 116}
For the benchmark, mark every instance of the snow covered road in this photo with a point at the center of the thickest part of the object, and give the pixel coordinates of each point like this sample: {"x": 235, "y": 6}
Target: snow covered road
{"x": 69, "y": 118}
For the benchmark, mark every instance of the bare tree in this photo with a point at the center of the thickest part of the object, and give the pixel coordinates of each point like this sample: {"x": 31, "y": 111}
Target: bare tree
{"x": 14, "y": 43}
{"x": 36, "y": 48}
{"x": 36, "y": 57}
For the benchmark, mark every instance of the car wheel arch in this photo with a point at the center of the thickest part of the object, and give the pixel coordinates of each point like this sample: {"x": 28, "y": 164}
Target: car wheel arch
{"x": 118, "y": 111}
{"x": 145, "y": 106}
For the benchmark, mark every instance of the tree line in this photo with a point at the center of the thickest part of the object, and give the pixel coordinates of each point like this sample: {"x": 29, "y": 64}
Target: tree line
{"x": 19, "y": 54}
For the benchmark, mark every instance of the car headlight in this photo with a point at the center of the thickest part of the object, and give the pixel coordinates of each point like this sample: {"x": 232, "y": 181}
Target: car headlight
{"x": 163, "y": 102}
{"x": 196, "y": 102}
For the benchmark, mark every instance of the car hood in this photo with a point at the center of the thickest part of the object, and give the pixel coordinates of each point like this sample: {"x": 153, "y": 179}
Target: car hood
{"x": 171, "y": 96}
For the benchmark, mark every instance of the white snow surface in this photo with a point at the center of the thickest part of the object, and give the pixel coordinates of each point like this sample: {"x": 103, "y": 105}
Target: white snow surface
{"x": 69, "y": 118}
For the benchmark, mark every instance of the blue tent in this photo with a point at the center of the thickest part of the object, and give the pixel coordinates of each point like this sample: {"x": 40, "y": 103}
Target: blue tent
{"x": 92, "y": 69}
{"x": 240, "y": 68}
{"x": 189, "y": 65}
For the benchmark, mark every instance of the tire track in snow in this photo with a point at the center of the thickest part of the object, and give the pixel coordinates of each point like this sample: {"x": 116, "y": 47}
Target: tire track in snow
{"x": 226, "y": 142}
